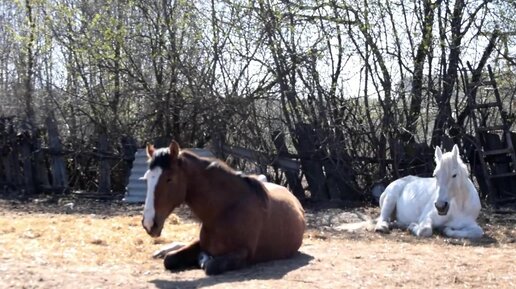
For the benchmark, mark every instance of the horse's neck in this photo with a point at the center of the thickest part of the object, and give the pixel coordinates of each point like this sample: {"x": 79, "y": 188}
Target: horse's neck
{"x": 209, "y": 192}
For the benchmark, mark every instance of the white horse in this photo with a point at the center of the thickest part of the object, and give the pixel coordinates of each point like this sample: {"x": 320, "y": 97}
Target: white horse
{"x": 448, "y": 201}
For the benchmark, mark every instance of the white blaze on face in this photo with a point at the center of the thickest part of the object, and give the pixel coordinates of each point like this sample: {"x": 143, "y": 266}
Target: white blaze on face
{"x": 447, "y": 172}
{"x": 152, "y": 177}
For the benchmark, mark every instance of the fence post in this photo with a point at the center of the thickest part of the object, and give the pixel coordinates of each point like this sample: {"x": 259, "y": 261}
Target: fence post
{"x": 26, "y": 157}
{"x": 104, "y": 166}
{"x": 8, "y": 154}
{"x": 293, "y": 180}
{"x": 57, "y": 163}
{"x": 129, "y": 148}
{"x": 40, "y": 167}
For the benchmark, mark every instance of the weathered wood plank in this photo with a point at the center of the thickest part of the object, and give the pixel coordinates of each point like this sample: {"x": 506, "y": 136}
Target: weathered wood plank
{"x": 104, "y": 177}
{"x": 293, "y": 180}
{"x": 285, "y": 163}
{"x": 57, "y": 163}
{"x": 26, "y": 159}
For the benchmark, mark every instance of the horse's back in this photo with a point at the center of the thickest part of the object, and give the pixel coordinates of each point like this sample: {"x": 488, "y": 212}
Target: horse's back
{"x": 418, "y": 191}
{"x": 284, "y": 225}
{"x": 413, "y": 194}
{"x": 397, "y": 188}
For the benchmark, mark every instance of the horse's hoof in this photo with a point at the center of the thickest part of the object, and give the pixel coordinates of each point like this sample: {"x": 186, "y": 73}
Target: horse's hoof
{"x": 202, "y": 259}
{"x": 425, "y": 232}
{"x": 382, "y": 230}
{"x": 212, "y": 267}
{"x": 382, "y": 227}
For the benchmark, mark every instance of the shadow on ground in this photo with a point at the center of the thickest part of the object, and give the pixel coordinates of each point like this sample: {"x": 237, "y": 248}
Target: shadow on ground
{"x": 263, "y": 271}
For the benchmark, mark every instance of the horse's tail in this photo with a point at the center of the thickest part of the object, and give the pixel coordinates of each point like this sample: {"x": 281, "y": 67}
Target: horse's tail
{"x": 367, "y": 224}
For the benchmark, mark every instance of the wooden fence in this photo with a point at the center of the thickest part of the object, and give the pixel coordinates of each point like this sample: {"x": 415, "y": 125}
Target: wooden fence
{"x": 37, "y": 162}
{"x": 304, "y": 173}
{"x": 412, "y": 159}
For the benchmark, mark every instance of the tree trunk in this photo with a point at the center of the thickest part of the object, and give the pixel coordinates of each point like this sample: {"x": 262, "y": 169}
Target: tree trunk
{"x": 311, "y": 161}
{"x": 340, "y": 178}
{"x": 422, "y": 52}
{"x": 444, "y": 116}
{"x": 29, "y": 69}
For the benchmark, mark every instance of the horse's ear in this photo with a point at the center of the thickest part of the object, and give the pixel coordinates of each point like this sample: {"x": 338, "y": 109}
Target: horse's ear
{"x": 150, "y": 150}
{"x": 455, "y": 151}
{"x": 438, "y": 154}
{"x": 174, "y": 149}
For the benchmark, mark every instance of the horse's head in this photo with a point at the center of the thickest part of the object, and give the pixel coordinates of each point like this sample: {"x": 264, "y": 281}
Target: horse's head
{"x": 166, "y": 188}
{"x": 450, "y": 173}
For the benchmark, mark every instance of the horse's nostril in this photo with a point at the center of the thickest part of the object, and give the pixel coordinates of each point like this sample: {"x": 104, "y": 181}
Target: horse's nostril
{"x": 441, "y": 205}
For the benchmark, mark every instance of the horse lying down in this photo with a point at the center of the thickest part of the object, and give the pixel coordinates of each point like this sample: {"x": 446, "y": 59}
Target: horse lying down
{"x": 244, "y": 220}
{"x": 448, "y": 201}
{"x": 162, "y": 252}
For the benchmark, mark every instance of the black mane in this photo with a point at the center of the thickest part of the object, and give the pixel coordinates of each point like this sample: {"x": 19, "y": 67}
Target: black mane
{"x": 215, "y": 164}
{"x": 161, "y": 158}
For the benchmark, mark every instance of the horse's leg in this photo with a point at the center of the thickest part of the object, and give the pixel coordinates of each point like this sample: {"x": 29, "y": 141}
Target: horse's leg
{"x": 184, "y": 257}
{"x": 472, "y": 231}
{"x": 388, "y": 201}
{"x": 167, "y": 249}
{"x": 220, "y": 264}
{"x": 422, "y": 229}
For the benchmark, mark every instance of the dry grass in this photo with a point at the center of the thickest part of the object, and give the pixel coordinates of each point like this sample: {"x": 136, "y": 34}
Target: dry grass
{"x": 93, "y": 233}
{"x": 85, "y": 239}
{"x": 108, "y": 249}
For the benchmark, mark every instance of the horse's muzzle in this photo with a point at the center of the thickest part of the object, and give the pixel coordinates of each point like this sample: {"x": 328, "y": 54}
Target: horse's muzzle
{"x": 154, "y": 232}
{"x": 442, "y": 207}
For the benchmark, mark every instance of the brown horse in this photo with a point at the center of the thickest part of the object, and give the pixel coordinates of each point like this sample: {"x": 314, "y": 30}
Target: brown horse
{"x": 244, "y": 221}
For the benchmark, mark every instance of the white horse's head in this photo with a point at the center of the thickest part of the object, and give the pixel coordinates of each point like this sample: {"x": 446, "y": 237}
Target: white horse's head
{"x": 450, "y": 173}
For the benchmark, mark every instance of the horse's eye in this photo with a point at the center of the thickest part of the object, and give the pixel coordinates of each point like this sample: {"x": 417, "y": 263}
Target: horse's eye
{"x": 169, "y": 180}
{"x": 454, "y": 175}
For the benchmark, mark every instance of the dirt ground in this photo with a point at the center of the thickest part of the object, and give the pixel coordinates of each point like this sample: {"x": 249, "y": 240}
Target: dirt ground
{"x": 49, "y": 243}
